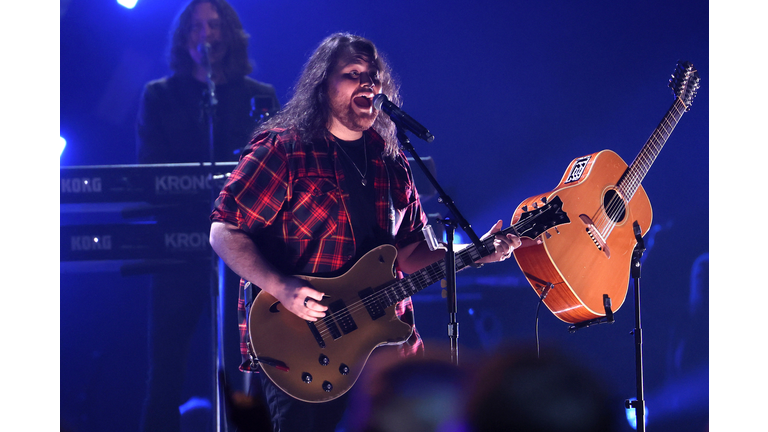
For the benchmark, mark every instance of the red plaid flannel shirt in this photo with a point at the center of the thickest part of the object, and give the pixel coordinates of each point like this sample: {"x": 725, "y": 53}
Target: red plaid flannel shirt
{"x": 284, "y": 193}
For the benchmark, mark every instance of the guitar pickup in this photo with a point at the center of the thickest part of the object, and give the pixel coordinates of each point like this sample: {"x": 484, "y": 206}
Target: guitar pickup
{"x": 341, "y": 315}
{"x": 332, "y": 328}
{"x": 372, "y": 304}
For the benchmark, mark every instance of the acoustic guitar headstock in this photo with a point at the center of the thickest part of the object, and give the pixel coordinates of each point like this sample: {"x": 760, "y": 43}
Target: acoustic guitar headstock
{"x": 685, "y": 82}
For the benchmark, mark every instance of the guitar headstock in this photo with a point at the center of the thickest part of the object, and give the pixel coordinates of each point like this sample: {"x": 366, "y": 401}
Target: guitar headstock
{"x": 684, "y": 83}
{"x": 533, "y": 223}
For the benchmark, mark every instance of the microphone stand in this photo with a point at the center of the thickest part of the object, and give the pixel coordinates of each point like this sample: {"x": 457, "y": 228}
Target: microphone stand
{"x": 450, "y": 257}
{"x": 217, "y": 266}
{"x": 210, "y": 101}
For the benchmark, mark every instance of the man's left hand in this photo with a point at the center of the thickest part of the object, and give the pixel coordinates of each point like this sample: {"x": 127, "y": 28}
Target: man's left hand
{"x": 504, "y": 245}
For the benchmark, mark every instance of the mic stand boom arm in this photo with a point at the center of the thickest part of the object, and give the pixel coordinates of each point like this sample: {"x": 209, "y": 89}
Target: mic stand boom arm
{"x": 450, "y": 263}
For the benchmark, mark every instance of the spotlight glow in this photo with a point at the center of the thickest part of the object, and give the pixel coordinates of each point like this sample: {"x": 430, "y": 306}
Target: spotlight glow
{"x": 62, "y": 145}
{"x": 632, "y": 416}
{"x": 129, "y": 4}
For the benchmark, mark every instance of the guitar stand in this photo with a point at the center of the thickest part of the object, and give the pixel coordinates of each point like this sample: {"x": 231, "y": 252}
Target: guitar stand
{"x": 639, "y": 403}
{"x": 607, "y": 319}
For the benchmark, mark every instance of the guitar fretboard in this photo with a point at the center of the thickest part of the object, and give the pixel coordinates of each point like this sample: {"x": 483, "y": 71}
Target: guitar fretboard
{"x": 636, "y": 172}
{"x": 531, "y": 224}
{"x": 401, "y": 289}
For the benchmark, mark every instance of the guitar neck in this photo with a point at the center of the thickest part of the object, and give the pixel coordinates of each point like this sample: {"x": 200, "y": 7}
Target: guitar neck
{"x": 403, "y": 288}
{"x": 636, "y": 171}
{"x": 531, "y": 224}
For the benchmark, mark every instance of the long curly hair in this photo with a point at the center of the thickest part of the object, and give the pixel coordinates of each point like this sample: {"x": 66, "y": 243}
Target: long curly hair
{"x": 309, "y": 109}
{"x": 235, "y": 62}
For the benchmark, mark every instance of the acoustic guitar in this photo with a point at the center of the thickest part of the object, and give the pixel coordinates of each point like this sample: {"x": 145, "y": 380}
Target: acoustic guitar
{"x": 320, "y": 361}
{"x": 603, "y": 196}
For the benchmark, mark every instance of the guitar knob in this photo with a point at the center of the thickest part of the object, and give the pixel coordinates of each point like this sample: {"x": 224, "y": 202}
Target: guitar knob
{"x": 344, "y": 369}
{"x": 525, "y": 208}
{"x": 324, "y": 360}
{"x": 544, "y": 200}
{"x": 327, "y": 386}
{"x": 306, "y": 377}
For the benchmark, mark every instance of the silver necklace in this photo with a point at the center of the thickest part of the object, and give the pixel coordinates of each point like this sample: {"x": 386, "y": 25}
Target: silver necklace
{"x": 365, "y": 153}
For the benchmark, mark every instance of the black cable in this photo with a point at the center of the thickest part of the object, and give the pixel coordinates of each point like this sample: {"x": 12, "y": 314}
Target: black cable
{"x": 542, "y": 296}
{"x": 536, "y": 327}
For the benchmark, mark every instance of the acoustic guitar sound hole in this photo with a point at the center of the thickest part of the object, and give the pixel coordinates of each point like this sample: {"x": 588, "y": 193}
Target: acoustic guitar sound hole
{"x": 614, "y": 206}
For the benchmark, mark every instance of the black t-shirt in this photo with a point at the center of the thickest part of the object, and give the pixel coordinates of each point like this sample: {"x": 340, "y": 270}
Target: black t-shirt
{"x": 362, "y": 215}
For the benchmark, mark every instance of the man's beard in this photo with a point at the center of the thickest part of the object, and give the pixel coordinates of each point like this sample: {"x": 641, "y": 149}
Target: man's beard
{"x": 352, "y": 120}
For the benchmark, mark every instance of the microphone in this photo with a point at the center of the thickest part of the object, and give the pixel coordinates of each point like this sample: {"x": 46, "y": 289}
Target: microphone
{"x": 205, "y": 50}
{"x": 382, "y": 103}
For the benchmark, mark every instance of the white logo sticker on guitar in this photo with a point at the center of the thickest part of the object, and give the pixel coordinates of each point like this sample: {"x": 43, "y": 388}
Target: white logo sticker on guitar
{"x": 578, "y": 169}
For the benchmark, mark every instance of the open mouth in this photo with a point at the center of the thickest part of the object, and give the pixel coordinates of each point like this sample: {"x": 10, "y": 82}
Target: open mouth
{"x": 364, "y": 102}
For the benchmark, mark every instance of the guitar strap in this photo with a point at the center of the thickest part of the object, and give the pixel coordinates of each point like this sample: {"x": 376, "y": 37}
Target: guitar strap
{"x": 251, "y": 363}
{"x": 392, "y": 214}
{"x": 248, "y": 296}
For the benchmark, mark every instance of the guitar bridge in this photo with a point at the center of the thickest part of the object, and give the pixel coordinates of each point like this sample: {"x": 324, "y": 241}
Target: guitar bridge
{"x": 316, "y": 334}
{"x": 594, "y": 234}
{"x": 589, "y": 231}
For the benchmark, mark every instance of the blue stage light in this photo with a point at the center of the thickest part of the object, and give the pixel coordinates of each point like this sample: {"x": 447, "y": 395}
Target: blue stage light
{"x": 127, "y": 3}
{"x": 62, "y": 145}
{"x": 632, "y": 417}
{"x": 194, "y": 403}
{"x": 458, "y": 238}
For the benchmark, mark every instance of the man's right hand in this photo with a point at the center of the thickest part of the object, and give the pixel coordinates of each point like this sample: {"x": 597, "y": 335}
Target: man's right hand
{"x": 300, "y": 298}
{"x": 240, "y": 253}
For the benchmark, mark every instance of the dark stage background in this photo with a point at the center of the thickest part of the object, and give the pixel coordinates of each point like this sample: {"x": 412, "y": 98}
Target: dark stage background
{"x": 513, "y": 91}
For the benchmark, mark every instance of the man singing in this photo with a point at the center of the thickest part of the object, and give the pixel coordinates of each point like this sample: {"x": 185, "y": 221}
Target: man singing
{"x": 322, "y": 183}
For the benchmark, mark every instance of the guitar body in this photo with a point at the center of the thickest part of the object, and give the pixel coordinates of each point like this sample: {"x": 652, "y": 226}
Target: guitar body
{"x": 585, "y": 261}
{"x": 280, "y": 338}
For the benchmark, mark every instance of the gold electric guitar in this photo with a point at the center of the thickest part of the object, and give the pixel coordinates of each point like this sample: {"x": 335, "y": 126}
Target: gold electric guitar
{"x": 320, "y": 361}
